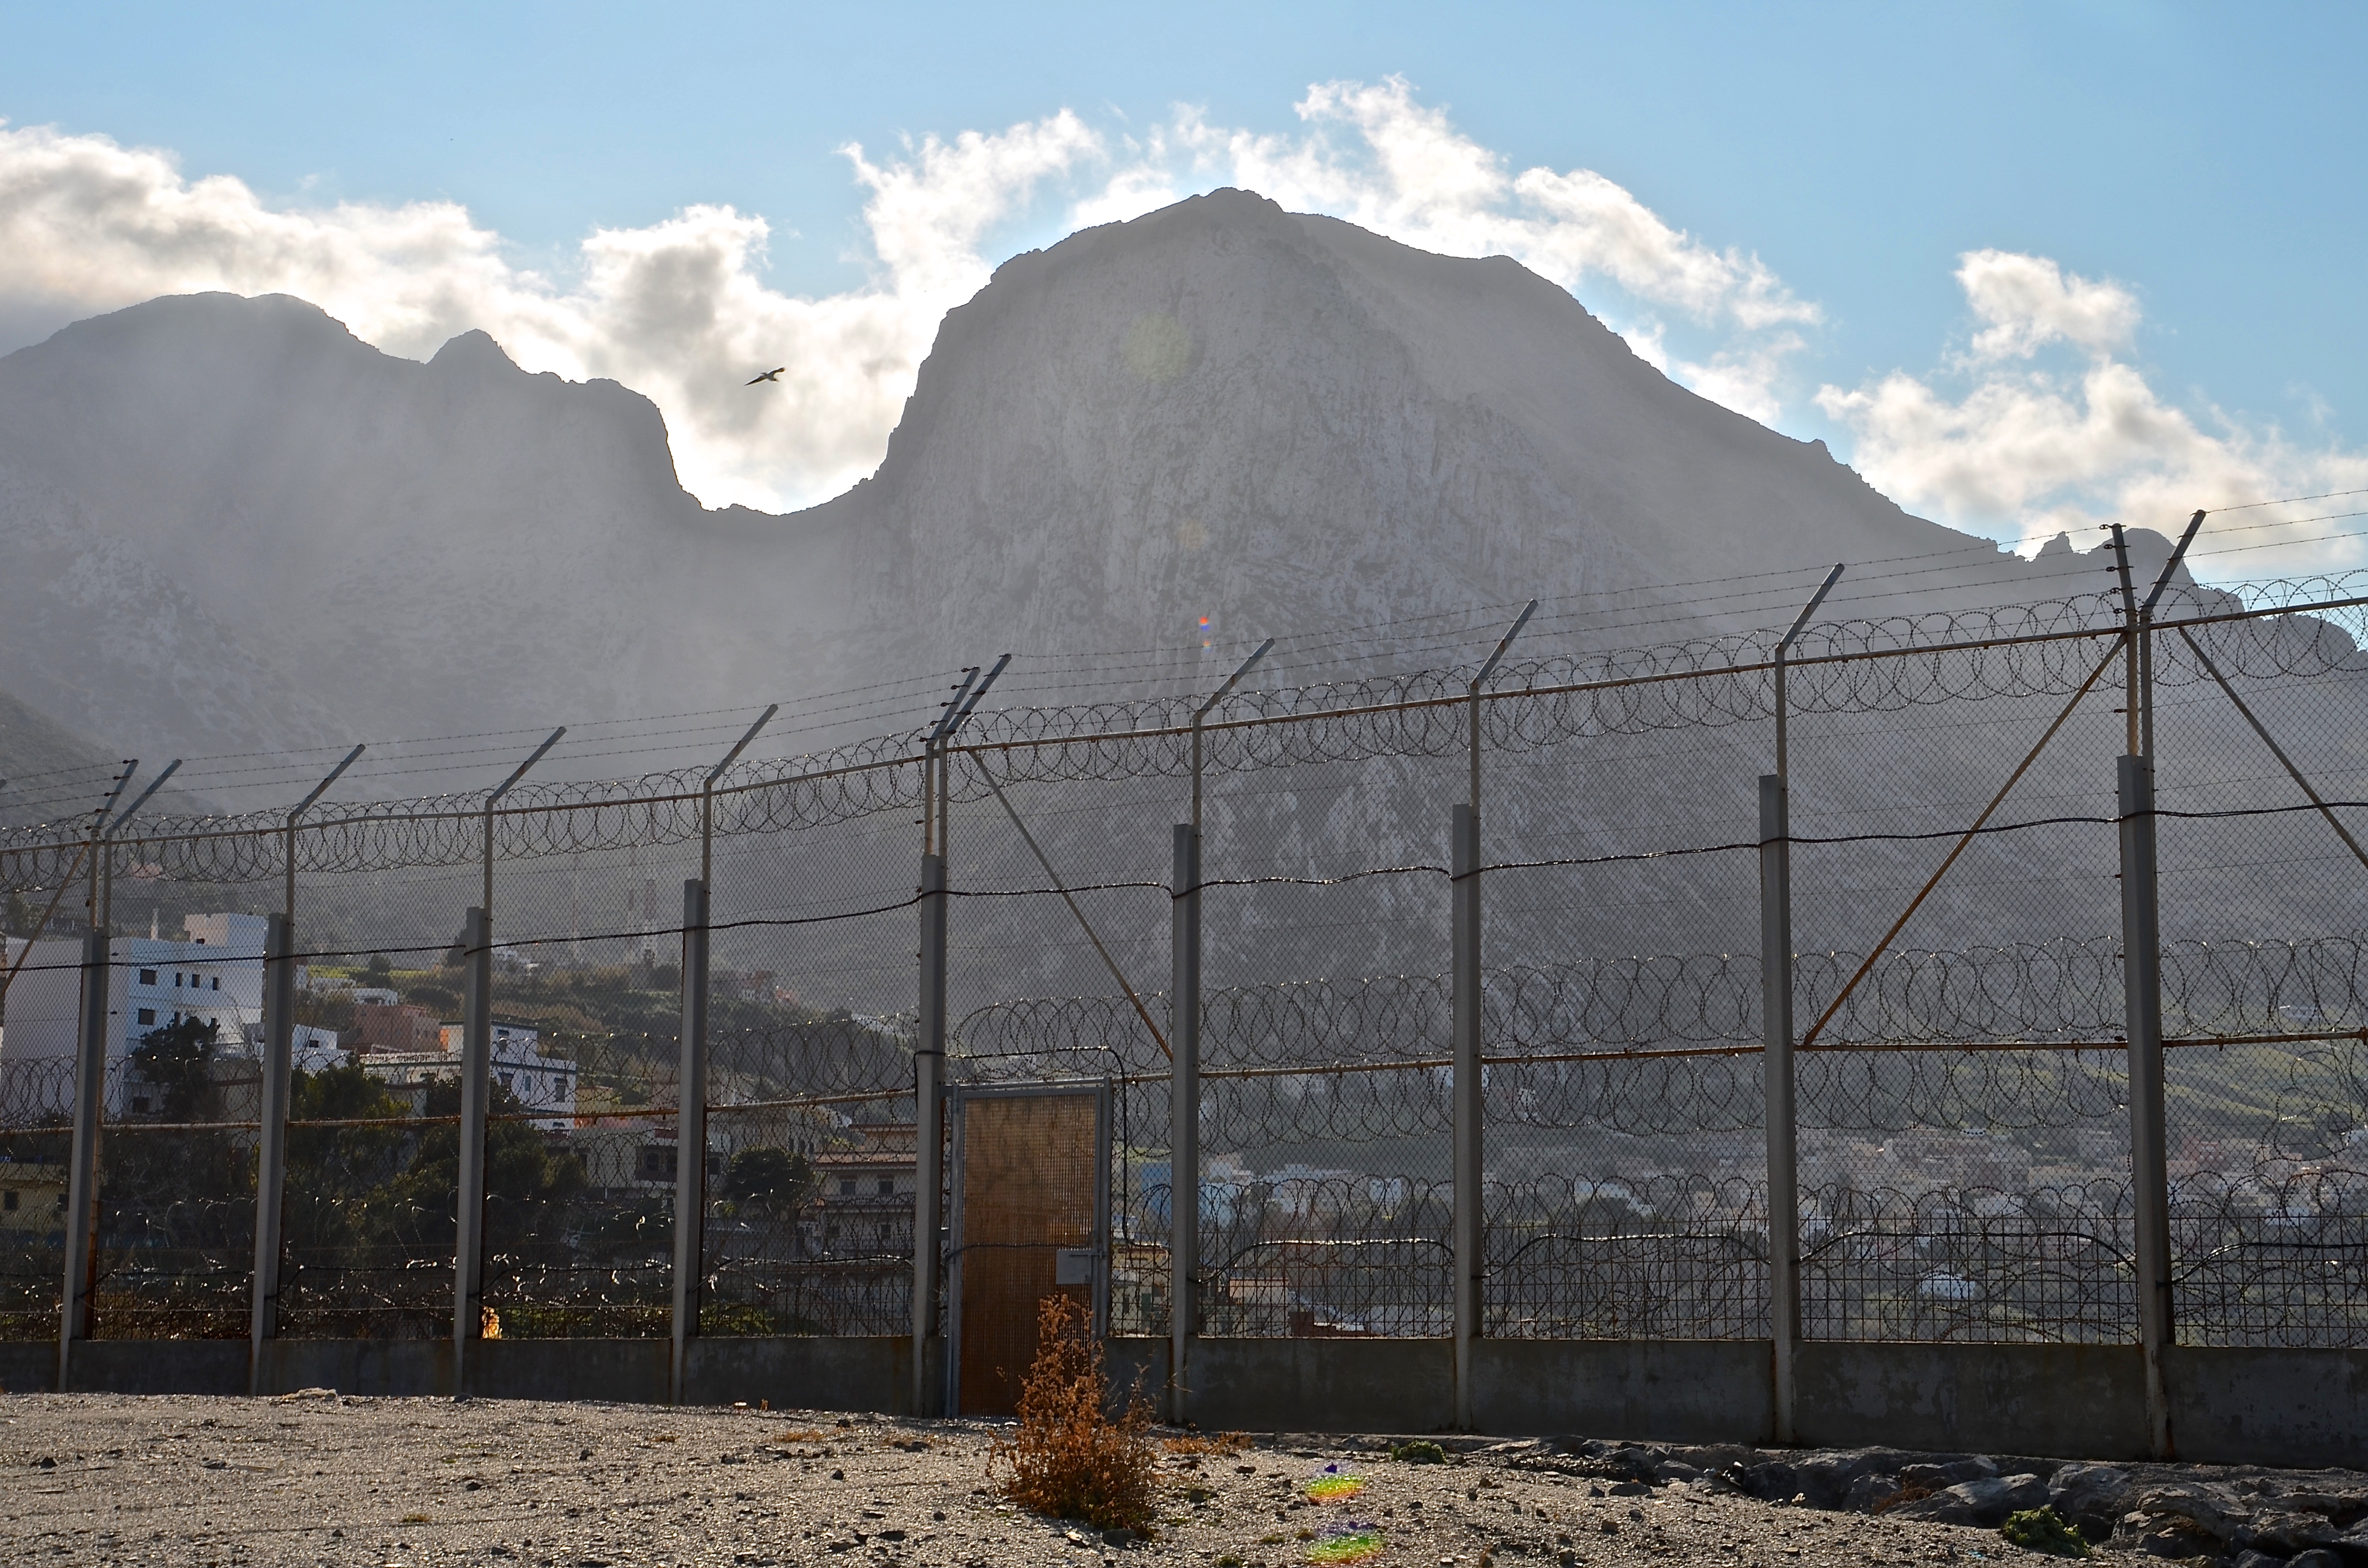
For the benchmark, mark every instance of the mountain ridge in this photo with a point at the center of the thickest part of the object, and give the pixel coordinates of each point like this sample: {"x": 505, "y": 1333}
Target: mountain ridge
{"x": 1278, "y": 421}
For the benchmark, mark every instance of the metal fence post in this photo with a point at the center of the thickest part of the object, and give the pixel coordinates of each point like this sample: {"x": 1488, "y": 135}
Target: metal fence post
{"x": 1184, "y": 1117}
{"x": 691, "y": 1135}
{"x": 1465, "y": 829}
{"x": 929, "y": 1118}
{"x": 271, "y": 1141}
{"x": 1776, "y": 1070}
{"x": 476, "y": 1074}
{"x": 2142, "y": 996}
{"x": 75, "y": 1320}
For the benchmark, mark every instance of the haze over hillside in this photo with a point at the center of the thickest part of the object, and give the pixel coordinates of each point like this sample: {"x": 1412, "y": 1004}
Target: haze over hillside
{"x": 233, "y": 525}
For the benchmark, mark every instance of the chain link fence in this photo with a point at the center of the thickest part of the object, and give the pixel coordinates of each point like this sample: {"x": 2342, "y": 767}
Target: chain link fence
{"x": 1962, "y": 1106}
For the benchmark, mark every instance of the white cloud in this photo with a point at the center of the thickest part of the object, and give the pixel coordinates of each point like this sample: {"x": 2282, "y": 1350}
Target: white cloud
{"x": 2028, "y": 301}
{"x": 2032, "y": 449}
{"x": 1744, "y": 378}
{"x": 2041, "y": 422}
{"x": 674, "y": 309}
{"x": 1408, "y": 172}
{"x": 681, "y": 309}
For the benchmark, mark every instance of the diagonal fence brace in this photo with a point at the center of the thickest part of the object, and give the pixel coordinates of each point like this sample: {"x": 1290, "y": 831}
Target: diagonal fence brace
{"x": 1959, "y": 849}
{"x": 2275, "y": 750}
{"x": 1086, "y": 926}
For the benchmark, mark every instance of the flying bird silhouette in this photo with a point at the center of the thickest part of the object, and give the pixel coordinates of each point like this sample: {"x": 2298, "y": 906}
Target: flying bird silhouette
{"x": 772, "y": 375}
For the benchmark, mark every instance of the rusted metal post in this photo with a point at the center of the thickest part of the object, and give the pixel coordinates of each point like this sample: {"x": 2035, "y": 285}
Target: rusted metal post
{"x": 477, "y": 1090}
{"x": 1183, "y": 1119}
{"x": 75, "y": 1320}
{"x": 271, "y": 1143}
{"x": 1781, "y": 1115}
{"x": 1467, "y": 1096}
{"x": 691, "y": 1137}
{"x": 2142, "y": 988}
{"x": 929, "y": 1127}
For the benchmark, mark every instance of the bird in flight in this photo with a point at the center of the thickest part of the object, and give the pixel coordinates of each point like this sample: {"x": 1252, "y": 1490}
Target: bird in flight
{"x": 772, "y": 375}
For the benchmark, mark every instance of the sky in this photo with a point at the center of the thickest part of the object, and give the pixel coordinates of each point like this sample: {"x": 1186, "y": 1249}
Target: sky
{"x": 2027, "y": 267}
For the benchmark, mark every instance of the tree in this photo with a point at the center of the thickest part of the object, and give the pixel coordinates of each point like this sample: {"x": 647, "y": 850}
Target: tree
{"x": 769, "y": 1180}
{"x": 334, "y": 1172}
{"x": 526, "y": 1184}
{"x": 177, "y": 1059}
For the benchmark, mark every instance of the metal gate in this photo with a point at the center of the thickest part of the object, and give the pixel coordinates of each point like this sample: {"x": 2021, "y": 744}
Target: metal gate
{"x": 1030, "y": 1217}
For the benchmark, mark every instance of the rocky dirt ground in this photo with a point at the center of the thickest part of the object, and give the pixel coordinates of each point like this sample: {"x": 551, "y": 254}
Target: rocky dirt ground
{"x": 320, "y": 1479}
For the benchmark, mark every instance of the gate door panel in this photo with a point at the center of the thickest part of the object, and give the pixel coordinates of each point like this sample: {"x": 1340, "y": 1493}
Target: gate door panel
{"x": 1030, "y": 1215}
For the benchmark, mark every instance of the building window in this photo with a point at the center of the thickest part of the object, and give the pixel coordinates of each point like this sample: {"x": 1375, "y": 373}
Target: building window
{"x": 8, "y": 1200}
{"x": 846, "y": 1187}
{"x": 147, "y": 1014}
{"x": 887, "y": 1187}
{"x": 147, "y": 977}
{"x": 217, "y": 983}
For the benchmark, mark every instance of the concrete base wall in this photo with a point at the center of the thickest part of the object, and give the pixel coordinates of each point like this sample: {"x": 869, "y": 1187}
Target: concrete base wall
{"x": 1321, "y": 1385}
{"x": 29, "y": 1365}
{"x": 808, "y": 1373}
{"x": 2295, "y": 1407}
{"x": 380, "y": 1367}
{"x": 157, "y": 1366}
{"x": 629, "y": 1372}
{"x": 2065, "y": 1401}
{"x": 1677, "y": 1391}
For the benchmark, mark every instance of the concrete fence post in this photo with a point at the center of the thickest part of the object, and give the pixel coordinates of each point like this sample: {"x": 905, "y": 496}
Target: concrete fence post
{"x": 1184, "y": 1119}
{"x": 271, "y": 1142}
{"x": 477, "y": 1090}
{"x": 81, "y": 1282}
{"x": 929, "y": 1127}
{"x": 690, "y": 1136}
{"x": 2141, "y": 1000}
{"x": 1778, "y": 1083}
{"x": 1470, "y": 1263}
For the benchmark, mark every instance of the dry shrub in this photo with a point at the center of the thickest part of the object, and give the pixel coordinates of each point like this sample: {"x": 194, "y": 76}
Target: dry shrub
{"x": 1196, "y": 1445}
{"x": 1070, "y": 1459}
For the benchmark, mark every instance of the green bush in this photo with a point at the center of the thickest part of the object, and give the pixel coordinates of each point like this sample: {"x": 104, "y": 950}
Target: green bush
{"x": 1421, "y": 1452}
{"x": 2044, "y": 1530}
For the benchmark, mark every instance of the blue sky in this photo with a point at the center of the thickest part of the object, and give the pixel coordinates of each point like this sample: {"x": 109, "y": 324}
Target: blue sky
{"x": 2204, "y": 161}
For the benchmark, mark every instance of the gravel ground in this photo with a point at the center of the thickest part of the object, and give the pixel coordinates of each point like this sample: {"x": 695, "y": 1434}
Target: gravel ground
{"x": 321, "y": 1479}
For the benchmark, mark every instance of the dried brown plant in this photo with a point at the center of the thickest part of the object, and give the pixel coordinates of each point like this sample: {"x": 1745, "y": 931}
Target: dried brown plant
{"x": 1070, "y": 1457}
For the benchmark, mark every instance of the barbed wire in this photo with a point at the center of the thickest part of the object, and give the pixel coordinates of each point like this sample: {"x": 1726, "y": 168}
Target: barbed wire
{"x": 1889, "y": 666}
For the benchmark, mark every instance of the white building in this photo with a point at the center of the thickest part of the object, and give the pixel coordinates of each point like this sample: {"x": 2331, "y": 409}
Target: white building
{"x": 215, "y": 976}
{"x": 507, "y": 1037}
{"x": 544, "y": 1085}
{"x": 311, "y": 1049}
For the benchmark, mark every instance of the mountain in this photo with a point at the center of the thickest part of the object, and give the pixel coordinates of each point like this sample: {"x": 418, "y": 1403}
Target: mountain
{"x": 236, "y": 525}
{"x": 102, "y": 647}
{"x": 41, "y": 760}
{"x": 233, "y": 526}
{"x": 1289, "y": 423}
{"x": 358, "y": 544}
